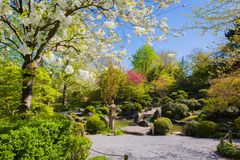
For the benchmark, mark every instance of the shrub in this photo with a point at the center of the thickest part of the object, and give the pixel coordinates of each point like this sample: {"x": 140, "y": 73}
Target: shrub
{"x": 138, "y": 107}
{"x": 206, "y": 129}
{"x": 237, "y": 124}
{"x": 166, "y": 100}
{"x": 95, "y": 125}
{"x": 129, "y": 106}
{"x": 192, "y": 104}
{"x": 174, "y": 110}
{"x": 41, "y": 139}
{"x": 180, "y": 94}
{"x": 162, "y": 126}
{"x": 90, "y": 109}
{"x": 228, "y": 150}
{"x": 190, "y": 129}
{"x": 99, "y": 158}
{"x": 104, "y": 110}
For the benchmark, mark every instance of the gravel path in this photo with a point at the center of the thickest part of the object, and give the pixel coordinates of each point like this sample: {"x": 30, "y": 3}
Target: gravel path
{"x": 170, "y": 147}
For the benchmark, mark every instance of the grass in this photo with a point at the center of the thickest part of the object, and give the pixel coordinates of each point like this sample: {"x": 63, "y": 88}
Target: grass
{"x": 121, "y": 123}
{"x": 177, "y": 128}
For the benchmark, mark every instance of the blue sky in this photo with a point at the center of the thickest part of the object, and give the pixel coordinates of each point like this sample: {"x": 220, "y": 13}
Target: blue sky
{"x": 184, "y": 45}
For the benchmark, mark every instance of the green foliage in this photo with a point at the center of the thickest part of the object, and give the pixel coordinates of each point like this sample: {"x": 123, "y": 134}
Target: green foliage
{"x": 180, "y": 94}
{"x": 129, "y": 106}
{"x": 110, "y": 82}
{"x": 10, "y": 87}
{"x": 192, "y": 104}
{"x": 138, "y": 107}
{"x": 143, "y": 59}
{"x": 237, "y": 124}
{"x": 166, "y": 100}
{"x": 225, "y": 89}
{"x": 41, "y": 139}
{"x": 206, "y": 129}
{"x": 44, "y": 95}
{"x": 136, "y": 93}
{"x": 79, "y": 148}
{"x": 90, "y": 109}
{"x": 174, "y": 110}
{"x": 228, "y": 150}
{"x": 99, "y": 158}
{"x": 190, "y": 129}
{"x": 104, "y": 110}
{"x": 95, "y": 125}
{"x": 118, "y": 132}
{"x": 162, "y": 126}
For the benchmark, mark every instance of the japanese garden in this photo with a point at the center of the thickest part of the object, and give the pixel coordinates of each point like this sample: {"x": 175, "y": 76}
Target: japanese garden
{"x": 119, "y": 79}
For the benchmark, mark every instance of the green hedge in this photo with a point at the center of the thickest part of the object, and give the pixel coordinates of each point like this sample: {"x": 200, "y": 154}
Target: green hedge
{"x": 206, "y": 129}
{"x": 162, "y": 126}
{"x": 41, "y": 139}
{"x": 190, "y": 129}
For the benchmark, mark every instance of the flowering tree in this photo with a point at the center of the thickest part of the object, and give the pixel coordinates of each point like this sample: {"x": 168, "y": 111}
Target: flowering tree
{"x": 135, "y": 77}
{"x": 88, "y": 28}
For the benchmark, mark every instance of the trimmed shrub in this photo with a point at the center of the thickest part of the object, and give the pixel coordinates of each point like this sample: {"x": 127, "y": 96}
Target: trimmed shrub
{"x": 228, "y": 150}
{"x": 41, "y": 139}
{"x": 90, "y": 109}
{"x": 162, "y": 126}
{"x": 237, "y": 124}
{"x": 104, "y": 110}
{"x": 206, "y": 129}
{"x": 174, "y": 110}
{"x": 190, "y": 129}
{"x": 95, "y": 125}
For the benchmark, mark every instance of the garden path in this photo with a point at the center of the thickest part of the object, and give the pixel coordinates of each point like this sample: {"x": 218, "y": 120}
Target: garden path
{"x": 170, "y": 147}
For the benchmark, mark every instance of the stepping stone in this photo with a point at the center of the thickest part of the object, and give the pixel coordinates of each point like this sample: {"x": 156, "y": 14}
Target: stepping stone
{"x": 136, "y": 130}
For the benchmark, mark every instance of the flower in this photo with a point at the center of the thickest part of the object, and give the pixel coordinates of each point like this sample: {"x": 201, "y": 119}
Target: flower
{"x": 110, "y": 24}
{"x": 69, "y": 69}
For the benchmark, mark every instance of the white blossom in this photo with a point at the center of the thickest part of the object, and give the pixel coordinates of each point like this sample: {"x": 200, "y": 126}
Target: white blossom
{"x": 69, "y": 69}
{"x": 110, "y": 24}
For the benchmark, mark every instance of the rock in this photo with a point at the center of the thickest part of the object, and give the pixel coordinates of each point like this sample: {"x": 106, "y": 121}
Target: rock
{"x": 79, "y": 119}
{"x": 131, "y": 114}
{"x": 178, "y": 133}
{"x": 70, "y": 117}
{"x": 136, "y": 130}
{"x": 138, "y": 118}
{"x": 132, "y": 124}
{"x": 156, "y": 115}
{"x": 143, "y": 123}
{"x": 189, "y": 114}
{"x": 180, "y": 123}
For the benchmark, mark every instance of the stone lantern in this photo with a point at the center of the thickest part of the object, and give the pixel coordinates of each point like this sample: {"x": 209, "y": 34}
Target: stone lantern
{"x": 112, "y": 116}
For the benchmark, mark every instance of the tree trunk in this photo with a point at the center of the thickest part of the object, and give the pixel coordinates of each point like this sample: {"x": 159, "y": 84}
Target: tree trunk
{"x": 64, "y": 95}
{"x": 28, "y": 75}
{"x": 27, "y": 91}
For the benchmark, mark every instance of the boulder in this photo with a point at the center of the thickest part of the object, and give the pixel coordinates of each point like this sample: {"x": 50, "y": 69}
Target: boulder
{"x": 136, "y": 130}
{"x": 132, "y": 124}
{"x": 138, "y": 118}
{"x": 70, "y": 117}
{"x": 156, "y": 115}
{"x": 143, "y": 123}
{"x": 131, "y": 114}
